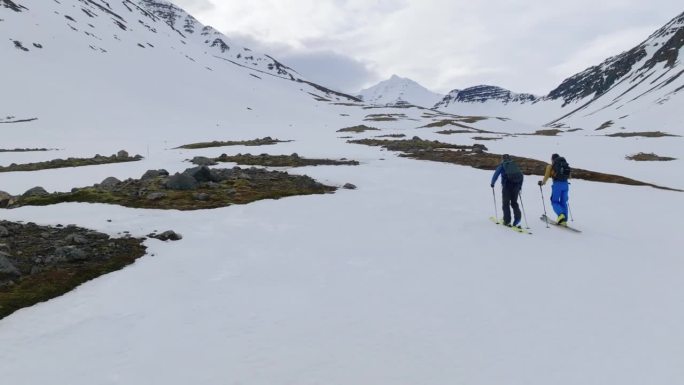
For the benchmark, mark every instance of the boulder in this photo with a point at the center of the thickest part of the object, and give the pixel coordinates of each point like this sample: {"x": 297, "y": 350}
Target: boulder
{"x": 7, "y": 268}
{"x": 200, "y": 196}
{"x": 5, "y": 199}
{"x": 122, "y": 154}
{"x": 200, "y": 174}
{"x": 203, "y": 161}
{"x": 221, "y": 174}
{"x": 168, "y": 235}
{"x": 35, "y": 192}
{"x": 3, "y": 231}
{"x": 109, "y": 182}
{"x": 70, "y": 253}
{"x": 155, "y": 196}
{"x": 181, "y": 182}
{"x": 76, "y": 239}
{"x": 349, "y": 186}
{"x": 149, "y": 174}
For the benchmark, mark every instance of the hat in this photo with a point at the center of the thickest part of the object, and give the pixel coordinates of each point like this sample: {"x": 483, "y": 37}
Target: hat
{"x": 506, "y": 157}
{"x": 554, "y": 156}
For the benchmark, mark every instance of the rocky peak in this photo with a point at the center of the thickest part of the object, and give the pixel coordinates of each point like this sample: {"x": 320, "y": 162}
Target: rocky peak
{"x": 664, "y": 44}
{"x": 484, "y": 93}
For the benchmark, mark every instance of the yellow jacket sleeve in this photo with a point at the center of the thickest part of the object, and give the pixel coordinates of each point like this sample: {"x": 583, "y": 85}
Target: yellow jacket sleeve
{"x": 547, "y": 173}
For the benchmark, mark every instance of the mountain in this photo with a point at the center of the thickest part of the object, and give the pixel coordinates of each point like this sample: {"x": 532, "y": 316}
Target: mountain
{"x": 637, "y": 87}
{"x": 397, "y": 91}
{"x": 113, "y": 68}
{"x": 640, "y": 87}
{"x": 484, "y": 93}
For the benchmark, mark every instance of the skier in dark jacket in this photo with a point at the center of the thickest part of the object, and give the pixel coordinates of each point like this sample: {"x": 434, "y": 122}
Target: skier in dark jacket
{"x": 511, "y": 183}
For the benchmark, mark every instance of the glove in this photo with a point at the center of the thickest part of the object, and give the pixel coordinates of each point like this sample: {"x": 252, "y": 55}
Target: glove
{"x": 540, "y": 183}
{"x": 492, "y": 185}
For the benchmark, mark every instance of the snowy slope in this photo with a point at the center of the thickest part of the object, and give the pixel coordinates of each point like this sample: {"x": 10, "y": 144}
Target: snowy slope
{"x": 398, "y": 90}
{"x": 403, "y": 281}
{"x": 112, "y": 70}
{"x": 636, "y": 89}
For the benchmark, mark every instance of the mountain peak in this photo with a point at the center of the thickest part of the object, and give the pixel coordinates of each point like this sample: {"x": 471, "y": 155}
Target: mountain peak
{"x": 399, "y": 90}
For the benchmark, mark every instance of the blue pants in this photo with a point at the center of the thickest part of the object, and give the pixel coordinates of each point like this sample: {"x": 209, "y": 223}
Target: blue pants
{"x": 559, "y": 197}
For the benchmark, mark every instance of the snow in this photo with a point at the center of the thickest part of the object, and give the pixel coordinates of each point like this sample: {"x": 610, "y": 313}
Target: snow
{"x": 402, "y": 281}
{"x": 397, "y": 89}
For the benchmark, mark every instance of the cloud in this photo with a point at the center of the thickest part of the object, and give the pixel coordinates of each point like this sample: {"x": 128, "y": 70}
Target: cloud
{"x": 526, "y": 45}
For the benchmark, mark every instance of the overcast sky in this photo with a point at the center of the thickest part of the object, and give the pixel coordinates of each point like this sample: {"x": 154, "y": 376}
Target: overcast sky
{"x": 523, "y": 45}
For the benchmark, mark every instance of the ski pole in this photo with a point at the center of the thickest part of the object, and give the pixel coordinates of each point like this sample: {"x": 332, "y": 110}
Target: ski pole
{"x": 570, "y": 213}
{"x": 544, "y": 204}
{"x": 496, "y": 215}
{"x": 527, "y": 225}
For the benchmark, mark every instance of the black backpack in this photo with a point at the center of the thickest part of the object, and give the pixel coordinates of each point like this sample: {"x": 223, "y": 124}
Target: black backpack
{"x": 561, "y": 169}
{"x": 512, "y": 171}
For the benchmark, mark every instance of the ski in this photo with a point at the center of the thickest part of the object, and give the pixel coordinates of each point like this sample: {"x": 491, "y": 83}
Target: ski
{"x": 516, "y": 229}
{"x": 546, "y": 219}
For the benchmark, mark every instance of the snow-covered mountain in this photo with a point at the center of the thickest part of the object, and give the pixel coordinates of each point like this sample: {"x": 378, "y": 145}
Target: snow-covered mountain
{"x": 403, "y": 280}
{"x": 633, "y": 89}
{"x": 484, "y": 93}
{"x": 86, "y": 57}
{"x": 637, "y": 88}
{"x": 397, "y": 91}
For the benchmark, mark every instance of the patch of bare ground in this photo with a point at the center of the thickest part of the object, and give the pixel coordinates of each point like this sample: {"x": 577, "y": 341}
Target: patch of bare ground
{"x": 25, "y": 149}
{"x": 254, "y": 142}
{"x": 549, "y": 132}
{"x": 194, "y": 189}
{"x": 358, "y": 129}
{"x": 121, "y": 157}
{"x": 643, "y": 134}
{"x": 391, "y": 136}
{"x": 604, "y": 125}
{"x": 477, "y": 157}
{"x": 486, "y": 138}
{"x": 450, "y": 132}
{"x": 642, "y": 156}
{"x": 41, "y": 262}
{"x": 384, "y": 117}
{"x": 292, "y": 160}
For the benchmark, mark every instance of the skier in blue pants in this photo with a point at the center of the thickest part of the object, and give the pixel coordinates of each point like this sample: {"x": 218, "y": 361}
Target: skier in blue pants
{"x": 559, "y": 171}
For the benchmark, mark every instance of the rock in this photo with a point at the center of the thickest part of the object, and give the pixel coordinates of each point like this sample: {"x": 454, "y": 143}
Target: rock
{"x": 349, "y": 186}
{"x": 168, "y": 235}
{"x": 109, "y": 182}
{"x": 76, "y": 239}
{"x": 181, "y": 182}
{"x": 200, "y": 174}
{"x": 122, "y": 154}
{"x": 4, "y": 199}
{"x": 7, "y": 268}
{"x": 416, "y": 138}
{"x": 3, "y": 231}
{"x": 149, "y": 174}
{"x": 218, "y": 175}
{"x": 69, "y": 253}
{"x": 155, "y": 196}
{"x": 203, "y": 161}
{"x": 201, "y": 196}
{"x": 35, "y": 192}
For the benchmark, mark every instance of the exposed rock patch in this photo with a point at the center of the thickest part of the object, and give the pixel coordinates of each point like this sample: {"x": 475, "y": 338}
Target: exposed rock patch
{"x": 255, "y": 142}
{"x": 292, "y": 160}
{"x": 648, "y": 157}
{"x": 69, "y": 162}
{"x": 477, "y": 157}
{"x": 358, "y": 129}
{"x": 40, "y": 262}
{"x": 195, "y": 188}
{"x": 645, "y": 134}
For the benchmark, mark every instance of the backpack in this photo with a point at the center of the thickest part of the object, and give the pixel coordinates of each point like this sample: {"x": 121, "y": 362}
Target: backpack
{"x": 512, "y": 171}
{"x": 561, "y": 169}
